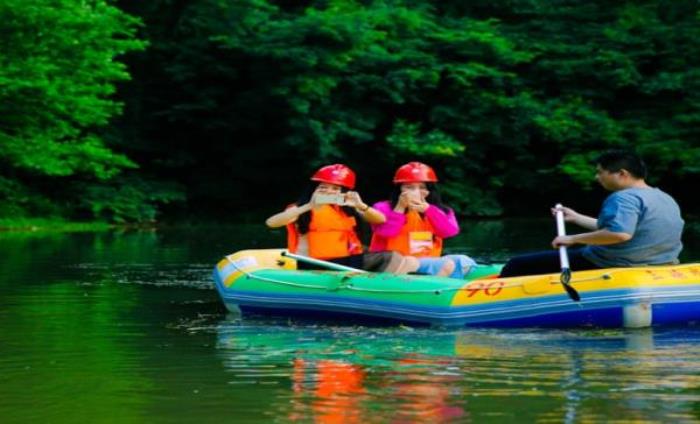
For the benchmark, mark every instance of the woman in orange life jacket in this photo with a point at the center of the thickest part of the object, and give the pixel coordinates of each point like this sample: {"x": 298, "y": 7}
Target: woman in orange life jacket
{"x": 322, "y": 224}
{"x": 417, "y": 222}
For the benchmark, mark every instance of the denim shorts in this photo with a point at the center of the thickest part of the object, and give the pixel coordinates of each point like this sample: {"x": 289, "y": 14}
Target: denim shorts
{"x": 431, "y": 266}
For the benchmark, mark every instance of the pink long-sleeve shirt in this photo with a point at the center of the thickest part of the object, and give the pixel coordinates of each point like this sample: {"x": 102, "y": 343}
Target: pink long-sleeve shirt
{"x": 444, "y": 224}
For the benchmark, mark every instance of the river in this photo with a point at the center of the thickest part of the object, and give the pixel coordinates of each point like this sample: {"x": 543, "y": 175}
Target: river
{"x": 127, "y": 327}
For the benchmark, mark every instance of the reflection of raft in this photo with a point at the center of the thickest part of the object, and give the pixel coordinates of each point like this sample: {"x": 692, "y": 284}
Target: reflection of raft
{"x": 263, "y": 281}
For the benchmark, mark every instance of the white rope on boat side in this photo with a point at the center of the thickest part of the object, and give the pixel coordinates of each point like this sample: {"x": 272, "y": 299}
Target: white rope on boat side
{"x": 271, "y": 280}
{"x": 605, "y": 276}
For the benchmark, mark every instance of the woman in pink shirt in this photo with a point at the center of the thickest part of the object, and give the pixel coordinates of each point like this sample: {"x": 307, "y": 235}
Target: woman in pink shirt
{"x": 417, "y": 222}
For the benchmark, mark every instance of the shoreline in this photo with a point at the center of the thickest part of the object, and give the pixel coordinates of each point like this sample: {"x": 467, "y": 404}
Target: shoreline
{"x": 52, "y": 225}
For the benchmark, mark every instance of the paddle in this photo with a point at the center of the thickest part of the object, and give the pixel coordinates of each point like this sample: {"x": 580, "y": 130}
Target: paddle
{"x": 321, "y": 263}
{"x": 565, "y": 277}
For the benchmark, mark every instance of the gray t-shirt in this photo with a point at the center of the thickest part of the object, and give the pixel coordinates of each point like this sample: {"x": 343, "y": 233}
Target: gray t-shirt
{"x": 653, "y": 219}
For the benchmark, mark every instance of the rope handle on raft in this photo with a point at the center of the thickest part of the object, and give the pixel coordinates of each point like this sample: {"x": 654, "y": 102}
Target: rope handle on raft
{"x": 350, "y": 286}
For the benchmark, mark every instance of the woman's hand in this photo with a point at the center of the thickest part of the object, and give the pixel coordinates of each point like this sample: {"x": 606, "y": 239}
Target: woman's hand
{"x": 312, "y": 201}
{"x": 418, "y": 204}
{"x": 353, "y": 199}
{"x": 402, "y": 203}
{"x": 369, "y": 214}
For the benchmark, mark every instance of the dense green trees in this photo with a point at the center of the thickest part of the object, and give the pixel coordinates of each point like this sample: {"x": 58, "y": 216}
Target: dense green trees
{"x": 57, "y": 74}
{"x": 235, "y": 102}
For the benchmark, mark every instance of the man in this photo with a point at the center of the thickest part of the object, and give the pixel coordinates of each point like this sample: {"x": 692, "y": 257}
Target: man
{"x": 638, "y": 225}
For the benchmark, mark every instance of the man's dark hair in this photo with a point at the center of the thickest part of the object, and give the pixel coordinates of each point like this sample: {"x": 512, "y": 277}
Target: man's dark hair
{"x": 616, "y": 160}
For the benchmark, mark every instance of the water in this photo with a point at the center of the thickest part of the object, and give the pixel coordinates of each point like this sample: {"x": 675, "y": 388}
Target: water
{"x": 127, "y": 327}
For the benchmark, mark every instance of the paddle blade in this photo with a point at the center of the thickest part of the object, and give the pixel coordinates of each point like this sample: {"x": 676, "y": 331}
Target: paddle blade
{"x": 565, "y": 278}
{"x": 573, "y": 294}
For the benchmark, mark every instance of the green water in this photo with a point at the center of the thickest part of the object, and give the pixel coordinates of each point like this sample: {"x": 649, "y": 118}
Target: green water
{"x": 127, "y": 327}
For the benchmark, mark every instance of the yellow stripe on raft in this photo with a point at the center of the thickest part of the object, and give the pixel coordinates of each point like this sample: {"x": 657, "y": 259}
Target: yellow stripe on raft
{"x": 251, "y": 260}
{"x": 502, "y": 289}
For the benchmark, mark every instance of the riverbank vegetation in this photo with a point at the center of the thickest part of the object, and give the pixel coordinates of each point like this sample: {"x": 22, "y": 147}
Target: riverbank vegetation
{"x": 169, "y": 110}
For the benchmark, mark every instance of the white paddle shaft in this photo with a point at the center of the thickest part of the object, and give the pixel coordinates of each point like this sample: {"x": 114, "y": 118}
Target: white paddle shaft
{"x": 321, "y": 263}
{"x": 561, "y": 231}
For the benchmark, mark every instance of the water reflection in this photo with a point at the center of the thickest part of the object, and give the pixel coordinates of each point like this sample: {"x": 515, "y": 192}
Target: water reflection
{"x": 131, "y": 323}
{"x": 335, "y": 389}
{"x": 360, "y": 374}
{"x": 424, "y": 394}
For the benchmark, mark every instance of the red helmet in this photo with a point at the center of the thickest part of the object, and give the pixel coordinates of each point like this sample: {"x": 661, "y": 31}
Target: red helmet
{"x": 337, "y": 174}
{"x": 415, "y": 172}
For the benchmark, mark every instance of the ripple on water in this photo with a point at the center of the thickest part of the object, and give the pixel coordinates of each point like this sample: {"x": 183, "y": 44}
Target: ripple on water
{"x": 192, "y": 275}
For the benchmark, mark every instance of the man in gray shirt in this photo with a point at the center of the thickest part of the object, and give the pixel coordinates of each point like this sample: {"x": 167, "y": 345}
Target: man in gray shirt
{"x": 637, "y": 225}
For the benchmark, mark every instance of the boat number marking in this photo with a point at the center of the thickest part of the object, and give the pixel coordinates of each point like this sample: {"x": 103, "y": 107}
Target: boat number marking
{"x": 491, "y": 289}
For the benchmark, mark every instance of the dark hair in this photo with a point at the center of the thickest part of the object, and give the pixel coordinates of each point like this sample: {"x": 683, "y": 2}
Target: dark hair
{"x": 433, "y": 198}
{"x": 304, "y": 219}
{"x": 616, "y": 160}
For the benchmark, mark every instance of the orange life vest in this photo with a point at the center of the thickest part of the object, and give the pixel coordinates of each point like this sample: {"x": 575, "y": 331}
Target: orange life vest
{"x": 416, "y": 238}
{"x": 331, "y": 234}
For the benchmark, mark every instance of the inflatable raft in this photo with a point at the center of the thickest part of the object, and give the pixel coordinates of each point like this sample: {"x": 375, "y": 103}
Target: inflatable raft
{"x": 265, "y": 281}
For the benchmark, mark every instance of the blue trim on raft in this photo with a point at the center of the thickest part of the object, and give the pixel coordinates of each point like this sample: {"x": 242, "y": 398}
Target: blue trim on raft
{"x": 604, "y": 318}
{"x": 607, "y": 314}
{"x": 343, "y": 318}
{"x": 674, "y": 313}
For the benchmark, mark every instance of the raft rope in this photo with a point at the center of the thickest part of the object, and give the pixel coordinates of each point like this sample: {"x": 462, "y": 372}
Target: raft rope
{"x": 250, "y": 275}
{"x": 346, "y": 286}
{"x": 272, "y": 280}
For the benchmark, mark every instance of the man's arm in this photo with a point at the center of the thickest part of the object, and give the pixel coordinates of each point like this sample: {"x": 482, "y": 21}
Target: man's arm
{"x": 599, "y": 237}
{"x": 586, "y": 222}
{"x": 579, "y": 219}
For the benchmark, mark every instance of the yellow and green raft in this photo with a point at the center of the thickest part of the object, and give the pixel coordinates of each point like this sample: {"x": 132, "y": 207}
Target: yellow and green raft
{"x": 264, "y": 281}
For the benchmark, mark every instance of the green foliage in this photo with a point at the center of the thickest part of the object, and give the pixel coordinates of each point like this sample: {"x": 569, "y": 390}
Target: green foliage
{"x": 47, "y": 225}
{"x": 14, "y": 195}
{"x": 57, "y": 75}
{"x": 468, "y": 199}
{"x": 578, "y": 167}
{"x": 510, "y": 101}
{"x": 129, "y": 199}
{"x": 392, "y": 78}
{"x": 19, "y": 200}
{"x": 407, "y": 139}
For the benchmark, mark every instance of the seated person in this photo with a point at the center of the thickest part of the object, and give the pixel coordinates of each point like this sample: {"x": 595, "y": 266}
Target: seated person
{"x": 417, "y": 222}
{"x": 638, "y": 225}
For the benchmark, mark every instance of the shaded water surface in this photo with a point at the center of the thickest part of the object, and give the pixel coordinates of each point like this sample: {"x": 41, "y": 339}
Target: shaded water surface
{"x": 127, "y": 327}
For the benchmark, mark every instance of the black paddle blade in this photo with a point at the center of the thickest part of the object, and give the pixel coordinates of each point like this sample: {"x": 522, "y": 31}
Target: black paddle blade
{"x": 564, "y": 279}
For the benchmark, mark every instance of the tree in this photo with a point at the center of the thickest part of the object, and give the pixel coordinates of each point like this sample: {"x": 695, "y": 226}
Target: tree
{"x": 57, "y": 75}
{"x": 238, "y": 101}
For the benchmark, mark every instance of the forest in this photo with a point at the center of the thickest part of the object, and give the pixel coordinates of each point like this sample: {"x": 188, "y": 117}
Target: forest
{"x": 173, "y": 110}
